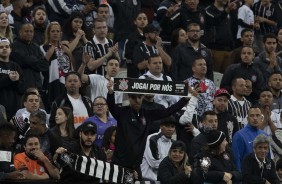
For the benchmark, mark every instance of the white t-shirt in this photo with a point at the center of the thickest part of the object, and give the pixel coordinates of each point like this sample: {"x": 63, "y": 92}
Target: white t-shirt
{"x": 98, "y": 84}
{"x": 247, "y": 15}
{"x": 79, "y": 111}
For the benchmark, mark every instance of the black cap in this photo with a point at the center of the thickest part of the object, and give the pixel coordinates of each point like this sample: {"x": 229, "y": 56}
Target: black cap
{"x": 88, "y": 126}
{"x": 178, "y": 145}
{"x": 215, "y": 138}
{"x": 150, "y": 29}
{"x": 168, "y": 120}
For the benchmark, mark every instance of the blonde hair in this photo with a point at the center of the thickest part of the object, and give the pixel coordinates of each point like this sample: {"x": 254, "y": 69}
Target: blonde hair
{"x": 47, "y": 31}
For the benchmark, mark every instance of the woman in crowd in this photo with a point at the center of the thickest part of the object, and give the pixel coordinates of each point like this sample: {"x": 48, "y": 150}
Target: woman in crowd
{"x": 101, "y": 118}
{"x": 178, "y": 36}
{"x": 257, "y": 167}
{"x": 214, "y": 164}
{"x": 141, "y": 21}
{"x": 108, "y": 143}
{"x": 59, "y": 58}
{"x": 64, "y": 127}
{"x": 74, "y": 36}
{"x": 5, "y": 30}
{"x": 174, "y": 168}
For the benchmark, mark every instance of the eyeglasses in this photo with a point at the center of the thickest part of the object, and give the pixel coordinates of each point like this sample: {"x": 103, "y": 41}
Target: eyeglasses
{"x": 99, "y": 105}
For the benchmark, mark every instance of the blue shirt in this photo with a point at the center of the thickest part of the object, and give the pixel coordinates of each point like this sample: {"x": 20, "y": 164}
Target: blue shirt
{"x": 242, "y": 144}
{"x": 101, "y": 127}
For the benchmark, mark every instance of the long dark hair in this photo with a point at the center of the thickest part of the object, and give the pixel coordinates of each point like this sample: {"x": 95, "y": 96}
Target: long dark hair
{"x": 67, "y": 28}
{"x": 107, "y": 136}
{"x": 70, "y": 122}
{"x": 174, "y": 38}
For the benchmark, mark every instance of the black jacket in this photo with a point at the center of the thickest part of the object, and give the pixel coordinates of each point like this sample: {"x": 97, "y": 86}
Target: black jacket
{"x": 198, "y": 143}
{"x": 253, "y": 174}
{"x": 65, "y": 101}
{"x": 10, "y": 91}
{"x": 133, "y": 129}
{"x": 228, "y": 124}
{"x": 31, "y": 60}
{"x": 217, "y": 165}
{"x": 247, "y": 72}
{"x": 218, "y": 35}
{"x": 183, "y": 58}
{"x": 168, "y": 173}
{"x": 125, "y": 14}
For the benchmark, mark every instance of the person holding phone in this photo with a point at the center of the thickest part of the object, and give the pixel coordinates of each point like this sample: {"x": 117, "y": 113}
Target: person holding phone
{"x": 205, "y": 86}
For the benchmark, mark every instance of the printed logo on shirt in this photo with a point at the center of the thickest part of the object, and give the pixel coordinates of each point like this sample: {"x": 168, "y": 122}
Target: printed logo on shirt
{"x": 5, "y": 71}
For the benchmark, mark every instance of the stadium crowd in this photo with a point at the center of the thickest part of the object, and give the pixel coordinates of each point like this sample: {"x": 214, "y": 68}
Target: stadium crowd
{"x": 62, "y": 121}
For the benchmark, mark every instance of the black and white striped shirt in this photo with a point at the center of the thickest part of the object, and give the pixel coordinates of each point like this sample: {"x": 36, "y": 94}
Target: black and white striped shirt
{"x": 97, "y": 50}
{"x": 239, "y": 109}
{"x": 266, "y": 12}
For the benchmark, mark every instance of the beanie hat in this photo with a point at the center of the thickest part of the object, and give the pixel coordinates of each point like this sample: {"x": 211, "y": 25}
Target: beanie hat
{"x": 178, "y": 145}
{"x": 215, "y": 138}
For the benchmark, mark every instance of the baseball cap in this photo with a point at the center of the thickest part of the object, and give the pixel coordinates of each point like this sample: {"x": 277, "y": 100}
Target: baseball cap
{"x": 168, "y": 120}
{"x": 150, "y": 29}
{"x": 88, "y": 126}
{"x": 221, "y": 92}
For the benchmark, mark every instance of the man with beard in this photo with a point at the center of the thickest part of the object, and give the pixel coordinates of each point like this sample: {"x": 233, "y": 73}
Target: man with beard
{"x": 85, "y": 147}
{"x": 19, "y": 15}
{"x": 275, "y": 85}
{"x": 81, "y": 105}
{"x": 33, "y": 163}
{"x": 98, "y": 83}
{"x": 185, "y": 55}
{"x": 39, "y": 21}
{"x": 151, "y": 45}
{"x": 226, "y": 122}
{"x": 268, "y": 61}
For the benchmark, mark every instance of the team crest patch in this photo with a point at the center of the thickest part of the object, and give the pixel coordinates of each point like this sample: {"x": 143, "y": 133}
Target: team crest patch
{"x": 203, "y": 53}
{"x": 123, "y": 84}
{"x": 225, "y": 156}
{"x": 205, "y": 163}
{"x": 254, "y": 78}
{"x": 268, "y": 13}
{"x": 42, "y": 169}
